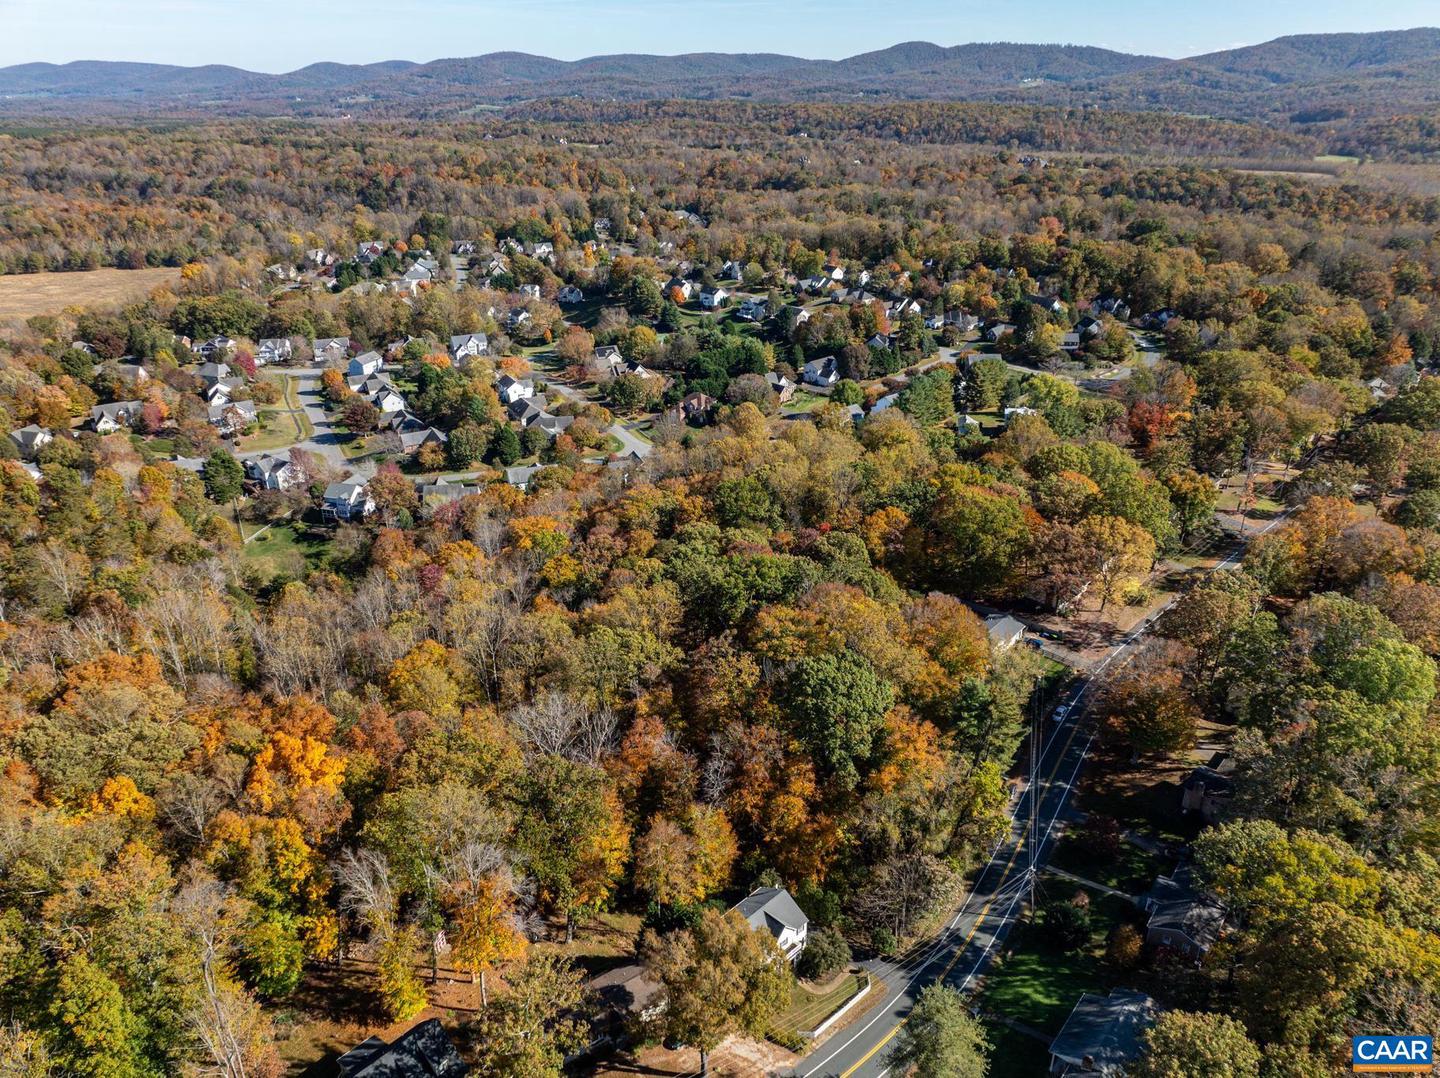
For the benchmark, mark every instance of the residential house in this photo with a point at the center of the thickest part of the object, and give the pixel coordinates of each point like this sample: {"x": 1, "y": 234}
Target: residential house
{"x": 216, "y": 346}
{"x": 995, "y": 330}
{"x": 222, "y": 391}
{"x": 231, "y": 417}
{"x": 753, "y": 310}
{"x": 607, "y": 359}
{"x": 1190, "y": 926}
{"x": 418, "y": 273}
{"x": 330, "y": 351}
{"x": 1010, "y": 413}
{"x": 108, "y": 418}
{"x": 1113, "y": 306}
{"x": 801, "y": 315}
{"x": 1207, "y": 790}
{"x": 280, "y": 271}
{"x": 695, "y": 408}
{"x": 274, "y": 350}
{"x": 681, "y": 286}
{"x": 414, "y": 437}
{"x": 423, "y": 1051}
{"x": 89, "y": 349}
{"x": 1158, "y": 319}
{"x": 1089, "y": 328}
{"x": 347, "y": 500}
{"x": 366, "y": 253}
{"x": 732, "y": 270}
{"x": 901, "y": 307}
{"x": 363, "y": 366}
{"x": 319, "y": 258}
{"x": 853, "y": 296}
{"x": 127, "y": 372}
{"x": 1103, "y": 1034}
{"x": 570, "y": 294}
{"x": 885, "y": 403}
{"x": 517, "y": 317}
{"x": 511, "y": 389}
{"x": 1004, "y": 632}
{"x": 30, "y": 440}
{"x": 388, "y": 400}
{"x": 832, "y": 272}
{"x": 824, "y": 371}
{"x": 638, "y": 370}
{"x": 462, "y": 248}
{"x": 772, "y": 910}
{"x": 1050, "y": 304}
{"x": 530, "y": 291}
{"x": 965, "y": 323}
{"x": 212, "y": 374}
{"x": 880, "y": 341}
{"x": 520, "y": 475}
{"x": 468, "y": 345}
{"x": 784, "y": 388}
{"x": 553, "y": 425}
{"x": 1071, "y": 342}
{"x": 274, "y": 472}
{"x": 935, "y": 321}
{"x": 443, "y": 491}
{"x": 540, "y": 250}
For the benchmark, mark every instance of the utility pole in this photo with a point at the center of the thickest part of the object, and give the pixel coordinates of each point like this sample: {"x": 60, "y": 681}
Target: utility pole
{"x": 1036, "y": 729}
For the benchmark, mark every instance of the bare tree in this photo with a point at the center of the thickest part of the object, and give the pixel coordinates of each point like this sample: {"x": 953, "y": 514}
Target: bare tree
{"x": 558, "y": 724}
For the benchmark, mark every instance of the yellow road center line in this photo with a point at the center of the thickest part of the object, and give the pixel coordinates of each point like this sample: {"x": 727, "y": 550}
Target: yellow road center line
{"x": 980, "y": 919}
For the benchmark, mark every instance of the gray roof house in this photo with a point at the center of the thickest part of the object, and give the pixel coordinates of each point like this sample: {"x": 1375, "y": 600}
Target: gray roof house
{"x": 30, "y": 440}
{"x": 824, "y": 371}
{"x": 331, "y": 349}
{"x": 348, "y": 500}
{"x": 231, "y": 416}
{"x": 273, "y": 472}
{"x": 423, "y": 1051}
{"x": 1102, "y": 1034}
{"x": 274, "y": 350}
{"x": 467, "y": 345}
{"x": 773, "y": 910}
{"x": 108, "y": 418}
{"x": 1004, "y": 631}
{"x": 364, "y": 365}
{"x": 1182, "y": 919}
{"x": 511, "y": 389}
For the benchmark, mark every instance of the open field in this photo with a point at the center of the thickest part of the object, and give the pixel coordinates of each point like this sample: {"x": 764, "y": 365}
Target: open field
{"x": 23, "y": 295}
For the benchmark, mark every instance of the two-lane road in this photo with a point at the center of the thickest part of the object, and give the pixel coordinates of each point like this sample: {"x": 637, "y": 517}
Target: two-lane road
{"x": 970, "y": 939}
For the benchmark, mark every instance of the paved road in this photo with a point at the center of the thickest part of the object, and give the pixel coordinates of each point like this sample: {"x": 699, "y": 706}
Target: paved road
{"x": 327, "y": 438}
{"x": 970, "y": 939}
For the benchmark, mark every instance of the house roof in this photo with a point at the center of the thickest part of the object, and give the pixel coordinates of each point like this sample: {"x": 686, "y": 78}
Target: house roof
{"x": 348, "y": 491}
{"x": 1106, "y": 1030}
{"x": 1195, "y": 917}
{"x": 773, "y": 909}
{"x": 423, "y": 1051}
{"x": 1003, "y": 628}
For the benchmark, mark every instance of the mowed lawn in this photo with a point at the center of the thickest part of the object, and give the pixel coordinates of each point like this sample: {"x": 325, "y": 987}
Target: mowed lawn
{"x": 23, "y": 295}
{"x": 1038, "y": 984}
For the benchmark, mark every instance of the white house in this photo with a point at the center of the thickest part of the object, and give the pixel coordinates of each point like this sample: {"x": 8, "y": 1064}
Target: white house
{"x": 363, "y": 366}
{"x": 771, "y": 909}
{"x": 30, "y": 440}
{"x": 713, "y": 298}
{"x": 273, "y": 472}
{"x": 108, "y": 418}
{"x": 570, "y": 294}
{"x": 822, "y": 372}
{"x": 511, "y": 389}
{"x": 468, "y": 345}
{"x": 347, "y": 501}
{"x": 274, "y": 350}
{"x": 330, "y": 349}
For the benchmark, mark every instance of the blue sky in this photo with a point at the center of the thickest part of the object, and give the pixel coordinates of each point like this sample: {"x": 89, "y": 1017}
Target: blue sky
{"x": 280, "y": 35}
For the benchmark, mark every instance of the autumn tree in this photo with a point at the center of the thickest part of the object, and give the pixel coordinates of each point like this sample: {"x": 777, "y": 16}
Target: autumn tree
{"x": 941, "y": 1039}
{"x": 719, "y": 977}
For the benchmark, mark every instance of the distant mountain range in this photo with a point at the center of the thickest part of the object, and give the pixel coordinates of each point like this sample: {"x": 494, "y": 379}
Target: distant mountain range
{"x": 1300, "y": 79}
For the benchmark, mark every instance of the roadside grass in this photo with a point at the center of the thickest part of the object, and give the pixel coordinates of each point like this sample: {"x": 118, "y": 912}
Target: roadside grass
{"x": 1013, "y": 1054}
{"x": 809, "y": 1007}
{"x": 1037, "y": 983}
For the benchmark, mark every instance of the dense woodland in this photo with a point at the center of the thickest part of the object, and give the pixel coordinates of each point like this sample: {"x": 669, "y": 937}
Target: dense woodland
{"x": 752, "y": 660}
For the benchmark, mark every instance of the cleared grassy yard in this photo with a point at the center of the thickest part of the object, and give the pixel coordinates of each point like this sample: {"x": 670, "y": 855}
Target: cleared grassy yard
{"x": 809, "y": 1008}
{"x": 1038, "y": 983}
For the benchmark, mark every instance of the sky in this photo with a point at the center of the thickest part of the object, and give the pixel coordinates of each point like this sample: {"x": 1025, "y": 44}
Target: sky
{"x": 281, "y": 35}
